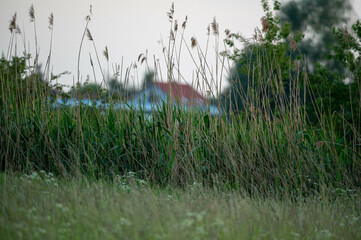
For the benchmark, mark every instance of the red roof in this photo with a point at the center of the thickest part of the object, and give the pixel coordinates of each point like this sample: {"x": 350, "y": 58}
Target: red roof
{"x": 179, "y": 91}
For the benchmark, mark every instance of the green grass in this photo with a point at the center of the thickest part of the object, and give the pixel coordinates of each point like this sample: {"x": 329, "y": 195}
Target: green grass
{"x": 39, "y": 206}
{"x": 253, "y": 153}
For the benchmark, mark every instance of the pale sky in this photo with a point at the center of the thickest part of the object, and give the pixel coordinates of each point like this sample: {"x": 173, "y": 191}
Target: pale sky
{"x": 128, "y": 28}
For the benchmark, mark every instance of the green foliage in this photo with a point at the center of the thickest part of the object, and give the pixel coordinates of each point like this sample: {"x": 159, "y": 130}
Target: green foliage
{"x": 148, "y": 78}
{"x": 115, "y": 86}
{"x": 331, "y": 60}
{"x": 266, "y": 67}
{"x": 316, "y": 18}
{"x": 348, "y": 49}
{"x": 14, "y": 69}
{"x": 88, "y": 90}
{"x": 269, "y": 70}
{"x": 332, "y": 94}
{"x": 17, "y": 85}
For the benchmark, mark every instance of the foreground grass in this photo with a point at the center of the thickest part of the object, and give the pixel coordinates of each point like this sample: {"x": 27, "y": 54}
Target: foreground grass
{"x": 39, "y": 206}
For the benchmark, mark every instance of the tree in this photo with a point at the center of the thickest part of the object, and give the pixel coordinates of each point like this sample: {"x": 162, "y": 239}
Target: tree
{"x": 17, "y": 85}
{"x": 331, "y": 56}
{"x": 329, "y": 50}
{"x": 115, "y": 86}
{"x": 236, "y": 94}
{"x": 88, "y": 90}
{"x": 264, "y": 66}
{"x": 148, "y": 79}
{"x": 316, "y": 18}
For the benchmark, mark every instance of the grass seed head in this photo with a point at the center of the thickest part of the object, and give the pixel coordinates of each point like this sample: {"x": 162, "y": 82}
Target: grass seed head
{"x": 172, "y": 37}
{"x": 215, "y": 27}
{"x": 293, "y": 43}
{"x": 346, "y": 35}
{"x": 265, "y": 24}
{"x": 257, "y": 36}
{"x": 91, "y": 60}
{"x": 51, "y": 21}
{"x": 171, "y": 12}
{"x": 228, "y": 33}
{"x": 194, "y": 42}
{"x": 142, "y": 58}
{"x": 185, "y": 22}
{"x": 12, "y": 23}
{"x": 32, "y": 13}
{"x": 106, "y": 53}
{"x": 90, "y": 37}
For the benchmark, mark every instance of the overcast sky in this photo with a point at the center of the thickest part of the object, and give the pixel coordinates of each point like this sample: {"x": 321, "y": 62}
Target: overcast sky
{"x": 127, "y": 27}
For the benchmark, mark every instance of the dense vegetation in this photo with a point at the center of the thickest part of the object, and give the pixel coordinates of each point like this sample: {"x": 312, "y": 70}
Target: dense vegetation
{"x": 285, "y": 140}
{"x": 283, "y": 160}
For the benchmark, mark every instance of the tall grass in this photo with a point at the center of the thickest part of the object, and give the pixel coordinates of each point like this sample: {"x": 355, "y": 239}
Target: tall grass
{"x": 263, "y": 150}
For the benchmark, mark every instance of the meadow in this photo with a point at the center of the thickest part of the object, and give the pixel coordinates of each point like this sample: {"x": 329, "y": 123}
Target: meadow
{"x": 40, "y": 206}
{"x": 280, "y": 166}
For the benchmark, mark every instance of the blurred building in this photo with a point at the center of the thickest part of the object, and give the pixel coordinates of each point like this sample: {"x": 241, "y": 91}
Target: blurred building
{"x": 155, "y": 94}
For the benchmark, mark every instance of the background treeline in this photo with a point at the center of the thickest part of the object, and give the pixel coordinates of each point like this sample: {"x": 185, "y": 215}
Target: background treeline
{"x": 313, "y": 41}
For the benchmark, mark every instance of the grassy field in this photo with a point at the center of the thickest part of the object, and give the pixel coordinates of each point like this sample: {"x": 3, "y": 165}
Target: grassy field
{"x": 39, "y": 206}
